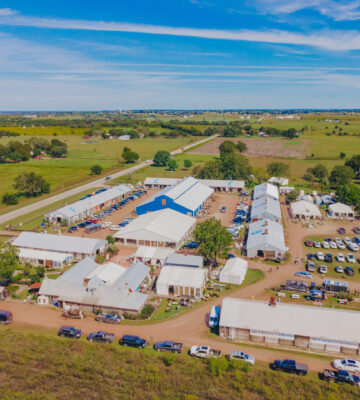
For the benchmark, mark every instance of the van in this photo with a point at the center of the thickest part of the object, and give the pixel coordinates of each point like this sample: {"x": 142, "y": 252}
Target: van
{"x": 214, "y": 317}
{"x": 133, "y": 341}
{"x": 6, "y": 317}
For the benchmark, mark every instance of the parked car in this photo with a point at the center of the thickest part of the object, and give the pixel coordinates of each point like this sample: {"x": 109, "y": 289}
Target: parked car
{"x": 105, "y": 225}
{"x": 70, "y": 332}
{"x": 349, "y": 271}
{"x": 311, "y": 266}
{"x": 356, "y": 229}
{"x": 341, "y": 246}
{"x": 309, "y": 243}
{"x": 325, "y": 244}
{"x": 347, "y": 365}
{"x": 333, "y": 245}
{"x": 356, "y": 240}
{"x": 323, "y": 269}
{"x": 108, "y": 178}
{"x": 350, "y": 258}
{"x": 223, "y": 209}
{"x": 169, "y": 346}
{"x": 214, "y": 317}
{"x": 290, "y": 366}
{"x": 317, "y": 244}
{"x": 347, "y": 241}
{"x": 339, "y": 269}
{"x": 6, "y": 317}
{"x": 204, "y": 352}
{"x": 304, "y": 274}
{"x": 73, "y": 228}
{"x": 310, "y": 256}
{"x": 110, "y": 318}
{"x": 191, "y": 245}
{"x": 241, "y": 356}
{"x": 101, "y": 337}
{"x": 133, "y": 341}
{"x": 340, "y": 376}
{"x": 328, "y": 258}
{"x": 340, "y": 257}
{"x": 320, "y": 256}
{"x": 353, "y": 247}
{"x": 342, "y": 231}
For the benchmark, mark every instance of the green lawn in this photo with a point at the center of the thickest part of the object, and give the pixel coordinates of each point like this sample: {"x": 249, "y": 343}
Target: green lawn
{"x": 39, "y": 365}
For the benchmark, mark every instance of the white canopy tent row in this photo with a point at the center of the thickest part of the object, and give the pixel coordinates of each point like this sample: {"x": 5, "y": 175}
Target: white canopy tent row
{"x": 152, "y": 255}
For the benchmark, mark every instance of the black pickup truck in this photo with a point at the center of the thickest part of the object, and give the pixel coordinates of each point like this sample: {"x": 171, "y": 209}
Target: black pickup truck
{"x": 101, "y": 337}
{"x": 340, "y": 376}
{"x": 169, "y": 346}
{"x": 290, "y": 366}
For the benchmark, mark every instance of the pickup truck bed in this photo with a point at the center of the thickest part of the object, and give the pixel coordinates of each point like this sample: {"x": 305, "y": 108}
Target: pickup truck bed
{"x": 340, "y": 376}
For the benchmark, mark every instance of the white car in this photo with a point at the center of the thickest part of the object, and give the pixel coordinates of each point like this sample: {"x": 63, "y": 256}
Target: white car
{"x": 320, "y": 256}
{"x": 341, "y": 246}
{"x": 323, "y": 269}
{"x": 340, "y": 257}
{"x": 347, "y": 241}
{"x": 350, "y": 258}
{"x": 333, "y": 245}
{"x": 239, "y": 355}
{"x": 115, "y": 228}
{"x": 105, "y": 225}
{"x": 338, "y": 240}
{"x": 325, "y": 244}
{"x": 339, "y": 269}
{"x": 347, "y": 365}
{"x": 317, "y": 244}
{"x": 353, "y": 247}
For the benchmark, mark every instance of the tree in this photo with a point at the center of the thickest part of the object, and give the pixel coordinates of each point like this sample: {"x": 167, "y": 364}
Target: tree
{"x": 227, "y": 147}
{"x": 31, "y": 184}
{"x": 57, "y": 148}
{"x": 292, "y": 196}
{"x": 349, "y": 194}
{"x": 130, "y": 156}
{"x": 9, "y": 199}
{"x": 214, "y": 240}
{"x": 96, "y": 169}
{"x": 241, "y": 146}
{"x": 172, "y": 164}
{"x": 232, "y": 131}
{"x": 341, "y": 175}
{"x": 260, "y": 174}
{"x": 161, "y": 158}
{"x": 278, "y": 169}
{"x": 319, "y": 172}
{"x": 187, "y": 164}
{"x": 342, "y": 154}
{"x": 8, "y": 259}
{"x": 354, "y": 164}
{"x": 110, "y": 239}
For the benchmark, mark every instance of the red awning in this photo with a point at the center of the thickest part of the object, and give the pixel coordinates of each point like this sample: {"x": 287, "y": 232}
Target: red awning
{"x": 35, "y": 285}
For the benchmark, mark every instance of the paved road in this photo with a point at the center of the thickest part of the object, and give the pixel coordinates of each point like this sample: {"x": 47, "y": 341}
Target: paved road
{"x": 98, "y": 182}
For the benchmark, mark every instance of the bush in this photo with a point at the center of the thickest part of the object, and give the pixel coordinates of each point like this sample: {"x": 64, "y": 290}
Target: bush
{"x": 99, "y": 259}
{"x": 168, "y": 360}
{"x": 217, "y": 366}
{"x": 96, "y": 169}
{"x": 110, "y": 239}
{"x": 147, "y": 311}
{"x": 9, "y": 199}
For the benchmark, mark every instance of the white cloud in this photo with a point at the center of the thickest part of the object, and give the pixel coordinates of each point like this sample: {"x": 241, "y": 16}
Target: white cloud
{"x": 338, "y": 10}
{"x": 7, "y": 11}
{"x": 326, "y": 39}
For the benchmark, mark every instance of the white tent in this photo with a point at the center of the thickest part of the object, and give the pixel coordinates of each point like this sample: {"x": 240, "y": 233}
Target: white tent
{"x": 181, "y": 281}
{"x": 304, "y": 209}
{"x": 234, "y": 271}
{"x": 154, "y": 255}
{"x": 340, "y": 210}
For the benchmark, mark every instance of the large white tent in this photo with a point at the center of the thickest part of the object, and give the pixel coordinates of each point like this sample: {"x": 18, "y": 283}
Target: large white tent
{"x": 234, "y": 271}
{"x": 152, "y": 255}
{"x": 163, "y": 228}
{"x": 305, "y": 210}
{"x": 341, "y": 211}
{"x": 181, "y": 281}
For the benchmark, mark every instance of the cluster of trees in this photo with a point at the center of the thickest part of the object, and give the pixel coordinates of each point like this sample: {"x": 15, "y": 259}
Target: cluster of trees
{"x": 8, "y": 134}
{"x": 129, "y": 156}
{"x": 278, "y": 169}
{"x": 96, "y": 169}
{"x": 317, "y": 173}
{"x": 17, "y": 151}
{"x": 27, "y": 184}
{"x": 286, "y": 133}
{"x": 8, "y": 260}
{"x": 229, "y": 147}
{"x": 120, "y": 132}
{"x": 349, "y": 194}
{"x": 163, "y": 158}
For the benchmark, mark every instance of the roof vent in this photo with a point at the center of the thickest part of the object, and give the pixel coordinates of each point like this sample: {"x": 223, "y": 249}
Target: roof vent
{"x": 86, "y": 281}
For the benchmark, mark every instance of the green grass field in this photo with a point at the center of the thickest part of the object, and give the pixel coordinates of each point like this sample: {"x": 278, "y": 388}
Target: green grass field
{"x": 38, "y": 365}
{"x": 75, "y": 169}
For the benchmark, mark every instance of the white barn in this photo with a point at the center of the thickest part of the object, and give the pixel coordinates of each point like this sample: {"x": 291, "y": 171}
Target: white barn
{"x": 234, "y": 271}
{"x": 181, "y": 281}
{"x": 266, "y": 239}
{"x": 341, "y": 211}
{"x": 265, "y": 208}
{"x": 163, "y": 228}
{"x": 303, "y": 209}
{"x": 265, "y": 190}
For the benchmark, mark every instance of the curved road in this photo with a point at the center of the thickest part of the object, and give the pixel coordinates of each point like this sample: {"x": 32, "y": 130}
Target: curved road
{"x": 98, "y": 182}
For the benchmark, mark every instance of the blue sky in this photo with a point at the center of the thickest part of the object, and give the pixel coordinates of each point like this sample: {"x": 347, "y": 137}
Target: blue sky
{"x": 96, "y": 55}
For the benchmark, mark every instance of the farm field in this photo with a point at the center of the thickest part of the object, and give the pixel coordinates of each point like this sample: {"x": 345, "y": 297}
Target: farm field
{"x": 63, "y": 173}
{"x": 68, "y": 369}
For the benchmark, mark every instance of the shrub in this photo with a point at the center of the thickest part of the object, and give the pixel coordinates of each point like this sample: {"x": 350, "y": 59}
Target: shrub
{"x": 147, "y": 311}
{"x": 9, "y": 199}
{"x": 168, "y": 359}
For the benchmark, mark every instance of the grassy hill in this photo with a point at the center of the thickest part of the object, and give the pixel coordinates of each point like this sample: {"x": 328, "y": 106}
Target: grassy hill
{"x": 36, "y": 365}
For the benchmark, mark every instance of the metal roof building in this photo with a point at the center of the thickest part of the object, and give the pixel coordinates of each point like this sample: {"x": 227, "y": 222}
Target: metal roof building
{"x": 307, "y": 327}
{"x": 77, "y": 246}
{"x": 152, "y": 255}
{"x": 163, "y": 228}
{"x": 216, "y": 184}
{"x": 184, "y": 260}
{"x": 95, "y": 287}
{"x": 187, "y": 197}
{"x": 266, "y": 208}
{"x": 264, "y": 190}
{"x": 84, "y": 208}
{"x": 305, "y": 210}
{"x": 340, "y": 210}
{"x": 265, "y": 238}
{"x": 181, "y": 281}
{"x": 49, "y": 259}
{"x": 278, "y": 181}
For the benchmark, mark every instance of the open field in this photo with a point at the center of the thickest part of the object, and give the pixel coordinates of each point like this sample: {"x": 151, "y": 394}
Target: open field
{"x": 44, "y": 131}
{"x": 39, "y": 365}
{"x": 75, "y": 169}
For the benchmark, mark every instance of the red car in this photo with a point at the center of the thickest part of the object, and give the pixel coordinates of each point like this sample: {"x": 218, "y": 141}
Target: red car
{"x": 309, "y": 243}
